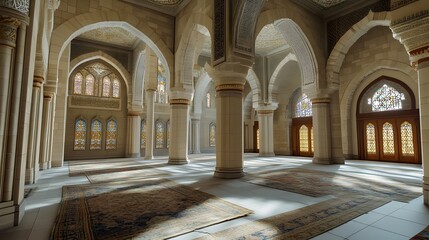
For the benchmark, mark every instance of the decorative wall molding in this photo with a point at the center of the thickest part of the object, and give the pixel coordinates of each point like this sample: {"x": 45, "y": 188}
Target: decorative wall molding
{"x": 22, "y": 6}
{"x": 87, "y": 102}
{"x": 320, "y": 100}
{"x": 265, "y": 112}
{"x": 180, "y": 102}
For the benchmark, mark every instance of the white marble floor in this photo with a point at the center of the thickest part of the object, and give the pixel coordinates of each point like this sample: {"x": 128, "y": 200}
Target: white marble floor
{"x": 395, "y": 220}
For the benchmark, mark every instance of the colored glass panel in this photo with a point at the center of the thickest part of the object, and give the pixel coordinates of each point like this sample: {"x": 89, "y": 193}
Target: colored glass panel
{"x": 160, "y": 135}
{"x": 89, "y": 85}
{"x": 161, "y": 92}
{"x": 257, "y": 139}
{"x": 387, "y": 98}
{"x": 303, "y": 138}
{"x": 106, "y": 87}
{"x": 116, "y": 88}
{"x": 111, "y": 134}
{"x": 407, "y": 139}
{"x": 79, "y": 135}
{"x": 95, "y": 135}
{"x": 388, "y": 139}
{"x": 212, "y": 135}
{"x": 312, "y": 140}
{"x": 143, "y": 134}
{"x": 78, "y": 80}
{"x": 303, "y": 107}
{"x": 370, "y": 139}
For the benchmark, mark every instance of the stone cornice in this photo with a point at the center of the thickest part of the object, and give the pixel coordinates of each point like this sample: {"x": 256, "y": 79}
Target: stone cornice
{"x": 230, "y": 87}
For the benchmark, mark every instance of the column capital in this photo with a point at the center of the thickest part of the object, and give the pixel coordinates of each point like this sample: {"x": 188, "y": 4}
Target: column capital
{"x": 134, "y": 113}
{"x": 267, "y": 107}
{"x": 228, "y": 73}
{"x": 180, "y": 101}
{"x": 320, "y": 100}
{"x": 48, "y": 96}
{"x": 410, "y": 26}
{"x": 38, "y": 81}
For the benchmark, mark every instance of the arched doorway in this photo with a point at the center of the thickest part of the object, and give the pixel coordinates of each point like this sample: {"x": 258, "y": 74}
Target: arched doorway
{"x": 302, "y": 126}
{"x": 388, "y": 122}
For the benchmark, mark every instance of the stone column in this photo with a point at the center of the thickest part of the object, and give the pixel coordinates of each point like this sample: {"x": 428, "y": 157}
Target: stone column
{"x": 32, "y": 168}
{"x": 336, "y": 134}
{"x": 410, "y": 25}
{"x": 423, "y": 73}
{"x": 179, "y": 123}
{"x": 51, "y": 129}
{"x": 150, "y": 102}
{"x": 196, "y": 124}
{"x": 321, "y": 131}
{"x": 266, "y": 131}
{"x": 133, "y": 135}
{"x": 44, "y": 146}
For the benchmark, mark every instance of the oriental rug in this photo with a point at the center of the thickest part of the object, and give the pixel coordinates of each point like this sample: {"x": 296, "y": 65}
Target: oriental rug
{"x": 130, "y": 175}
{"x": 144, "y": 209}
{"x": 303, "y": 223}
{"x": 318, "y": 183}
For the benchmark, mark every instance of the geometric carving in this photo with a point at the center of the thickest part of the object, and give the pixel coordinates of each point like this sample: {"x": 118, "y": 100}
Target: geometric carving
{"x": 76, "y": 101}
{"x": 219, "y": 29}
{"x": 8, "y": 27}
{"x": 395, "y": 4}
{"x": 245, "y": 26}
{"x": 18, "y": 5}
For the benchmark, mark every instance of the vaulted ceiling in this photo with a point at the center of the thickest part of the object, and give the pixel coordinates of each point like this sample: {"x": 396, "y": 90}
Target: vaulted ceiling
{"x": 111, "y": 36}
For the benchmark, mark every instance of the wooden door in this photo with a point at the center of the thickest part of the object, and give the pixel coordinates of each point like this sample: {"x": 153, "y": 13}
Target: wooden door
{"x": 256, "y": 137}
{"x": 408, "y": 148}
{"x": 388, "y": 140}
{"x": 303, "y": 143}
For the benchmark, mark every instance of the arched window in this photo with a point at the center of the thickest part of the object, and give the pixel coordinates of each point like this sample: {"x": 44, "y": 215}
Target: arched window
{"x": 168, "y": 134}
{"x": 208, "y": 99}
{"x": 106, "y": 86}
{"x": 116, "y": 88}
{"x": 303, "y": 138}
{"x": 79, "y": 135}
{"x": 159, "y": 134}
{"x": 370, "y": 139}
{"x": 212, "y": 135}
{"x": 96, "y": 133}
{"x": 143, "y": 134}
{"x": 111, "y": 134}
{"x": 89, "y": 84}
{"x": 386, "y": 98}
{"x": 77, "y": 85}
{"x": 161, "y": 92}
{"x": 303, "y": 107}
{"x": 388, "y": 139}
{"x": 407, "y": 140}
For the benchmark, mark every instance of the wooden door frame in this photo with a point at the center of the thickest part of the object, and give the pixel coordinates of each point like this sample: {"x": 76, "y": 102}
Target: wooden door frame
{"x": 296, "y": 124}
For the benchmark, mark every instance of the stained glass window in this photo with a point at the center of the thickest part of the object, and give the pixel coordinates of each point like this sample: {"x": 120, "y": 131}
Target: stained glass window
{"x": 208, "y": 99}
{"x": 116, "y": 88}
{"x": 386, "y": 98}
{"x": 79, "y": 135}
{"x": 303, "y": 107}
{"x": 407, "y": 139}
{"x": 160, "y": 134}
{"x": 212, "y": 135}
{"x": 370, "y": 139}
{"x": 161, "y": 92}
{"x": 388, "y": 139}
{"x": 78, "y": 79}
{"x": 89, "y": 85}
{"x": 143, "y": 134}
{"x": 168, "y": 134}
{"x": 303, "y": 138}
{"x": 111, "y": 134}
{"x": 106, "y": 86}
{"x": 312, "y": 140}
{"x": 95, "y": 135}
{"x": 257, "y": 139}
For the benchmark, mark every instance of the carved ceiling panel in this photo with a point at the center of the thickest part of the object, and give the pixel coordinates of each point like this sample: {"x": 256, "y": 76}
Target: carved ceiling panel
{"x": 111, "y": 35}
{"x": 328, "y": 3}
{"x": 269, "y": 39}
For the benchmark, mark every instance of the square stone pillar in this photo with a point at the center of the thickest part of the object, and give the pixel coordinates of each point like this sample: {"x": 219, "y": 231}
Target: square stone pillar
{"x": 179, "y": 119}
{"x": 321, "y": 131}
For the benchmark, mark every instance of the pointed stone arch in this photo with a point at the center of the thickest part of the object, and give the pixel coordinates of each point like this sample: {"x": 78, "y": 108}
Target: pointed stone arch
{"x": 274, "y": 77}
{"x": 337, "y": 56}
{"x": 255, "y": 85}
{"x": 200, "y": 91}
{"x": 79, "y": 24}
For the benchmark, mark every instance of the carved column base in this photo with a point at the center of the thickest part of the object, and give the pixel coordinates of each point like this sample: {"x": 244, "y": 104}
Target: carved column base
{"x": 44, "y": 166}
{"x": 325, "y": 161}
{"x": 426, "y": 190}
{"x": 11, "y": 214}
{"x": 338, "y": 160}
{"x": 148, "y": 157}
{"x": 228, "y": 173}
{"x": 178, "y": 161}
